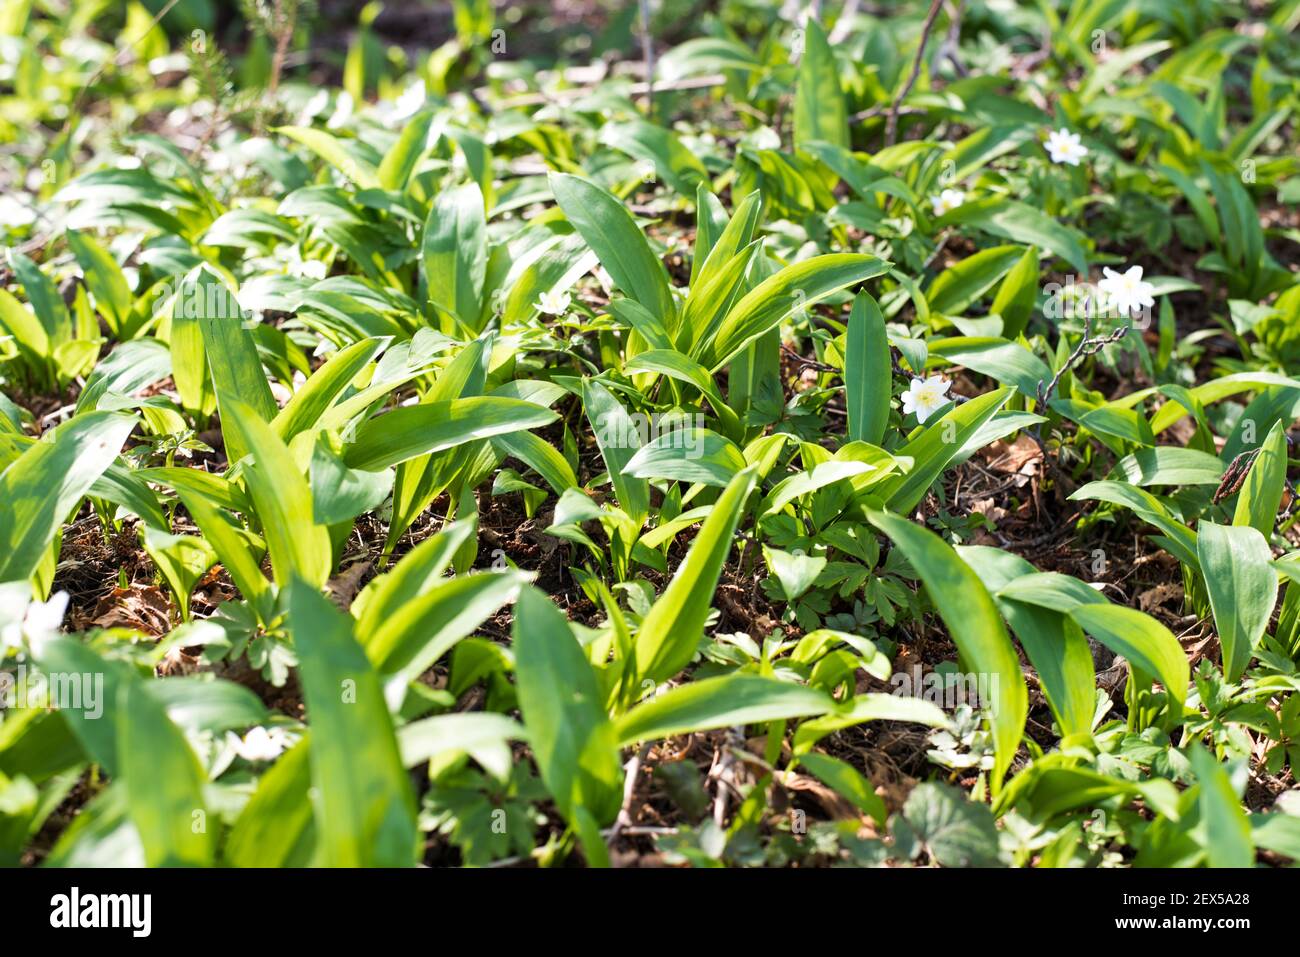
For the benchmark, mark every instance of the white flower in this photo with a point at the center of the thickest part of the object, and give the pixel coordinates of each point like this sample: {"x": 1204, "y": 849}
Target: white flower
{"x": 343, "y": 107}
{"x": 305, "y": 268}
{"x": 925, "y": 397}
{"x": 14, "y": 213}
{"x": 34, "y": 621}
{"x": 1065, "y": 147}
{"x": 312, "y": 269}
{"x": 553, "y": 302}
{"x": 260, "y": 744}
{"x": 947, "y": 201}
{"x": 1126, "y": 292}
{"x": 409, "y": 103}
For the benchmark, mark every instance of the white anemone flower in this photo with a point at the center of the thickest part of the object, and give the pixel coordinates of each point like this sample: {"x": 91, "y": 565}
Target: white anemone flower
{"x": 34, "y": 622}
{"x": 409, "y": 103}
{"x": 926, "y": 396}
{"x": 1065, "y": 147}
{"x": 947, "y": 201}
{"x": 305, "y": 268}
{"x": 1126, "y": 291}
{"x": 260, "y": 744}
{"x": 553, "y": 302}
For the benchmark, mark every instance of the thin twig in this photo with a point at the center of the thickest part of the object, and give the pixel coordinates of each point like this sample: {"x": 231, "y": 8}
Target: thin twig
{"x": 721, "y": 776}
{"x": 844, "y": 23}
{"x": 648, "y": 54}
{"x": 1088, "y": 345}
{"x": 632, "y": 772}
{"x": 950, "y": 46}
{"x": 284, "y": 24}
{"x": 807, "y": 363}
{"x": 891, "y": 127}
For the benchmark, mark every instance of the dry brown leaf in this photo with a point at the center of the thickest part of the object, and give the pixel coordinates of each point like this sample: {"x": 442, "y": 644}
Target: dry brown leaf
{"x": 344, "y": 586}
{"x": 831, "y": 802}
{"x": 1159, "y": 595}
{"x": 144, "y": 607}
{"x": 1021, "y": 457}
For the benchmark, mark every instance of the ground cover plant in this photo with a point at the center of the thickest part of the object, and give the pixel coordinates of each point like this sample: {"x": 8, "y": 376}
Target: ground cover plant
{"x": 663, "y": 434}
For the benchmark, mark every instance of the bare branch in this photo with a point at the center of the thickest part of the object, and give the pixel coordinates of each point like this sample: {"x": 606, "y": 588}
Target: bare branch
{"x": 891, "y": 127}
{"x": 648, "y": 54}
{"x": 1088, "y": 345}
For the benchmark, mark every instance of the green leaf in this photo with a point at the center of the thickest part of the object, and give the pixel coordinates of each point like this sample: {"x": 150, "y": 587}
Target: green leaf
{"x": 965, "y": 282}
{"x": 364, "y": 807}
{"x": 673, "y": 364}
{"x": 1053, "y": 642}
{"x": 455, "y": 253}
{"x": 1167, "y": 465}
{"x": 540, "y": 456}
{"x": 1008, "y": 362}
{"x": 704, "y": 55}
{"x": 415, "y": 430}
{"x": 1021, "y": 223}
{"x": 873, "y": 706}
{"x": 1261, "y": 494}
{"x": 30, "y": 337}
{"x": 324, "y": 388}
{"x": 868, "y": 372}
{"x": 230, "y": 349}
{"x": 93, "y": 722}
{"x": 934, "y": 448}
{"x": 275, "y": 826}
{"x": 672, "y": 629}
{"x": 674, "y": 164}
{"x": 731, "y": 700}
{"x": 416, "y": 633}
{"x": 281, "y": 498}
{"x": 1226, "y": 826}
{"x": 1051, "y": 590}
{"x": 1017, "y": 294}
{"x": 795, "y": 572}
{"x": 688, "y": 455}
{"x": 1242, "y": 585}
{"x": 819, "y": 476}
{"x": 956, "y": 831}
{"x": 609, "y": 229}
{"x": 332, "y": 151}
{"x": 484, "y": 736}
{"x": 819, "y": 111}
{"x": 399, "y": 162}
{"x": 975, "y": 625}
{"x": 618, "y": 439}
{"x": 103, "y": 277}
{"x": 846, "y": 781}
{"x": 572, "y": 739}
{"x": 198, "y": 704}
{"x": 44, "y": 296}
{"x": 771, "y": 301}
{"x": 231, "y": 544}
{"x": 419, "y": 570}
{"x": 49, "y": 479}
{"x": 1182, "y": 540}
{"x": 339, "y": 494}
{"x": 164, "y": 783}
{"x": 1144, "y": 642}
